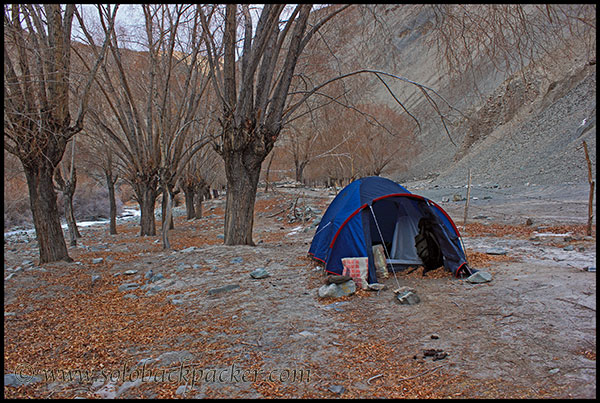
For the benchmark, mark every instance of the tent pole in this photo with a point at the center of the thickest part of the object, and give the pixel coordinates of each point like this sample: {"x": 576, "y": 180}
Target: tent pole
{"x": 383, "y": 243}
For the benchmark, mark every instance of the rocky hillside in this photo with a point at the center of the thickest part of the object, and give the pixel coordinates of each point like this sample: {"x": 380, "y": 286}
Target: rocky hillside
{"x": 511, "y": 131}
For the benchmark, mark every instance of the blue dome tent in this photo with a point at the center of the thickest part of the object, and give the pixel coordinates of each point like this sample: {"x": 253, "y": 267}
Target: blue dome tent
{"x": 376, "y": 210}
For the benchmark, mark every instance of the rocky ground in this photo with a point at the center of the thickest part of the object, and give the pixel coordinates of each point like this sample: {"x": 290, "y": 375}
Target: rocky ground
{"x": 129, "y": 319}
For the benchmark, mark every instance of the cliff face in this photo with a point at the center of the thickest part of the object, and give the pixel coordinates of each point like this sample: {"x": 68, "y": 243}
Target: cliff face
{"x": 511, "y": 130}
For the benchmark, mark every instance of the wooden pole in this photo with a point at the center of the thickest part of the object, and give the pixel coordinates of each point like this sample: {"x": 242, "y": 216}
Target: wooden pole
{"x": 468, "y": 197}
{"x": 591, "y": 198}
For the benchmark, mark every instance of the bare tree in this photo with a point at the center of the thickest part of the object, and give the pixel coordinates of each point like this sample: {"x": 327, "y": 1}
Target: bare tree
{"x": 253, "y": 109}
{"x": 37, "y": 116}
{"x": 154, "y": 96}
{"x": 198, "y": 176}
{"x": 101, "y": 158}
{"x": 509, "y": 36}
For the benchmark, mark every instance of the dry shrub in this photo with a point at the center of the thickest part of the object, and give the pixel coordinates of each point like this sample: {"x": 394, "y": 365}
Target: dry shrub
{"x": 17, "y": 211}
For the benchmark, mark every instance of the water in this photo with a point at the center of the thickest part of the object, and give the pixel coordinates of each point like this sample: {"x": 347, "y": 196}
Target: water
{"x": 128, "y": 214}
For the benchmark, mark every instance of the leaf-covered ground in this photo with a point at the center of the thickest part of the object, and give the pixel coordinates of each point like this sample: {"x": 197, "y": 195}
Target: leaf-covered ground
{"x": 529, "y": 333}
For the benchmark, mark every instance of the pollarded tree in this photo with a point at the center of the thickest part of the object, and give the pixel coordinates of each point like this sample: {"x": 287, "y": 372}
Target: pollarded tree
{"x": 37, "y": 109}
{"x": 153, "y": 97}
{"x": 253, "y": 109}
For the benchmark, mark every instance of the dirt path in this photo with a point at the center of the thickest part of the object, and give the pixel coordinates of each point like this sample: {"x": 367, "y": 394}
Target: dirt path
{"x": 531, "y": 332}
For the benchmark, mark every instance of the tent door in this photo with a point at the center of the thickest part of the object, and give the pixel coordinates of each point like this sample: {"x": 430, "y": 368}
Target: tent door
{"x": 403, "y": 244}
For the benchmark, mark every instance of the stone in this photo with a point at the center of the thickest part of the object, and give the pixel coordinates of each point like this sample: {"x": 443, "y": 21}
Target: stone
{"x": 408, "y": 298}
{"x": 16, "y": 380}
{"x": 306, "y": 333}
{"x": 130, "y": 272}
{"x": 190, "y": 249}
{"x": 376, "y": 286}
{"x": 156, "y": 277}
{"x": 95, "y": 278}
{"x": 404, "y": 290}
{"x": 130, "y": 296}
{"x": 236, "y": 260}
{"x": 479, "y": 277}
{"x": 97, "y": 260}
{"x": 128, "y": 286}
{"x": 496, "y": 251}
{"x": 337, "y": 389}
{"x": 155, "y": 289}
{"x": 335, "y": 306}
{"x": 337, "y": 290}
{"x": 259, "y": 273}
{"x": 218, "y": 290}
{"x": 569, "y": 248}
{"x": 336, "y": 279}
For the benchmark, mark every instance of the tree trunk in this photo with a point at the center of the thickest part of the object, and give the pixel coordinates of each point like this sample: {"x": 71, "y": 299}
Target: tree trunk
{"x": 164, "y": 209}
{"x": 146, "y": 196}
{"x": 42, "y": 199}
{"x": 70, "y": 217}
{"x": 168, "y": 217}
{"x": 242, "y": 170}
{"x": 300, "y": 165}
{"x": 110, "y": 183}
{"x": 189, "y": 202}
{"x": 268, "y": 170}
{"x": 199, "y": 197}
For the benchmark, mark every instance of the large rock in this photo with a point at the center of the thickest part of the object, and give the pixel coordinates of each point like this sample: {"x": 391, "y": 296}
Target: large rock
{"x": 337, "y": 290}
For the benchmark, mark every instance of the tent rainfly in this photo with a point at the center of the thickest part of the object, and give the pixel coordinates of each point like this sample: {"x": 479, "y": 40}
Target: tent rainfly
{"x": 375, "y": 210}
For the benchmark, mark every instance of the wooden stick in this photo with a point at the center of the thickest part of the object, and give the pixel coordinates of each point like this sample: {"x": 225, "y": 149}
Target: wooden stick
{"x": 591, "y": 199}
{"x": 372, "y": 378}
{"x": 468, "y": 196}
